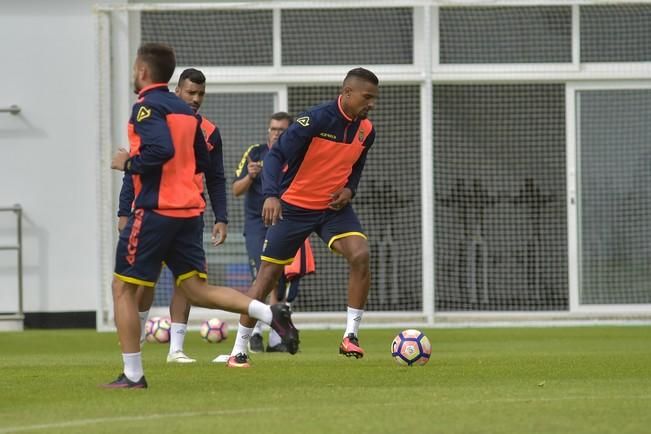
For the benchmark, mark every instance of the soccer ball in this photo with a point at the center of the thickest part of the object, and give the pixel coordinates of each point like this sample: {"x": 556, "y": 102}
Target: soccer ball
{"x": 411, "y": 347}
{"x": 157, "y": 330}
{"x": 213, "y": 330}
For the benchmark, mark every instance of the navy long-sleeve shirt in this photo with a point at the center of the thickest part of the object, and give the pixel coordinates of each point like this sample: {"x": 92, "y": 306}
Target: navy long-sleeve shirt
{"x": 213, "y": 173}
{"x": 321, "y": 153}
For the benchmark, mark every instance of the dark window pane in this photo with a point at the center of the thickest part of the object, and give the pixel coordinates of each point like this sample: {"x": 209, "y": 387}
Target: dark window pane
{"x": 616, "y": 33}
{"x": 347, "y": 36}
{"x": 213, "y": 38}
{"x": 505, "y": 34}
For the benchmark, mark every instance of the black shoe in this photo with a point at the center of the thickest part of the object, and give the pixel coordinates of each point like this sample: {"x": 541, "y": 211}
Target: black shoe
{"x": 256, "y": 345}
{"x": 122, "y": 382}
{"x": 280, "y": 348}
{"x": 282, "y": 323}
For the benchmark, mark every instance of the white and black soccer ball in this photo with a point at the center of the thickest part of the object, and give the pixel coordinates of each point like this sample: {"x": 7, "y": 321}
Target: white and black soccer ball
{"x": 213, "y": 330}
{"x": 411, "y": 348}
{"x": 157, "y": 330}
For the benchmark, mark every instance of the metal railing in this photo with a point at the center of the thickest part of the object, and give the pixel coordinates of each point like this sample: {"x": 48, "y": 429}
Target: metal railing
{"x": 13, "y": 109}
{"x": 18, "y": 247}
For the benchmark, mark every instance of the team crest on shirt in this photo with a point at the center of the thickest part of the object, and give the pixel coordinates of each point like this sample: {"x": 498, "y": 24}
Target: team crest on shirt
{"x": 360, "y": 136}
{"x": 304, "y": 121}
{"x": 143, "y": 113}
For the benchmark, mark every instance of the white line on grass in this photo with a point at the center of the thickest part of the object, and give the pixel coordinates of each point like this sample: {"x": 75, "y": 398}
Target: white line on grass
{"x": 82, "y": 422}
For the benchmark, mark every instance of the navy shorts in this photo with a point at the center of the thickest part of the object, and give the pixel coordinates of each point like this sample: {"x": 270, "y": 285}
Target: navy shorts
{"x": 254, "y": 235}
{"x": 150, "y": 239}
{"x": 287, "y": 235}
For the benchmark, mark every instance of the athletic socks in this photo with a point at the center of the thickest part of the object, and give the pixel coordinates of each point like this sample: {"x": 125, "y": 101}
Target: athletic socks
{"x": 132, "y": 366}
{"x": 353, "y": 319}
{"x": 177, "y": 336}
{"x": 261, "y": 311}
{"x": 274, "y": 338}
{"x": 257, "y": 330}
{"x": 242, "y": 340}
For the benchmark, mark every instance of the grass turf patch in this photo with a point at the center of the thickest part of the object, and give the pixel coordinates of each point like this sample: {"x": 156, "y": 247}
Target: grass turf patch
{"x": 543, "y": 380}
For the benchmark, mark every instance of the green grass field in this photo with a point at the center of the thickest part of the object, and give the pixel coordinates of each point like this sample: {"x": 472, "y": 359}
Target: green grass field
{"x": 554, "y": 380}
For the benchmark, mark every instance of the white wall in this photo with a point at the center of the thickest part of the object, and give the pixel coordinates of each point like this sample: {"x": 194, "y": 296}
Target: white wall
{"x": 49, "y": 153}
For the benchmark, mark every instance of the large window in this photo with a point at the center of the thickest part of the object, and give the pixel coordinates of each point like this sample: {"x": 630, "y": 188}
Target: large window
{"x": 499, "y": 180}
{"x": 615, "y": 197}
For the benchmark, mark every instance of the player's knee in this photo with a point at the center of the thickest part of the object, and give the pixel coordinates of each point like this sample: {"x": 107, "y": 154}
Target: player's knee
{"x": 359, "y": 258}
{"x": 119, "y": 287}
{"x": 194, "y": 290}
{"x": 257, "y": 292}
{"x": 269, "y": 274}
{"x": 266, "y": 280}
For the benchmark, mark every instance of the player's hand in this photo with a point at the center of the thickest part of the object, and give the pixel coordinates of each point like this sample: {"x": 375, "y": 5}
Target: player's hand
{"x": 340, "y": 199}
{"x": 254, "y": 167}
{"x": 219, "y": 233}
{"x": 122, "y": 222}
{"x": 120, "y": 157}
{"x": 271, "y": 211}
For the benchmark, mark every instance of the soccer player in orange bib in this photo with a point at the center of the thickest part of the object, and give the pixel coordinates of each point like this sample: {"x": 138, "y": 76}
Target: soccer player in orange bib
{"x": 191, "y": 88}
{"x": 320, "y": 158}
{"x": 167, "y": 151}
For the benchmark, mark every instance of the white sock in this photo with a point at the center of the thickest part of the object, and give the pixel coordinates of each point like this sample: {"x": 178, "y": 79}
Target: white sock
{"x": 274, "y": 338}
{"x": 241, "y": 344}
{"x": 132, "y": 366}
{"x": 353, "y": 318}
{"x": 177, "y": 336}
{"x": 257, "y": 330}
{"x": 261, "y": 311}
{"x": 143, "y": 320}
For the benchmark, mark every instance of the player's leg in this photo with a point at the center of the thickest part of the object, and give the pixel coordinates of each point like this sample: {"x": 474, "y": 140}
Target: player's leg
{"x": 125, "y": 309}
{"x": 179, "y": 314}
{"x": 276, "y": 296}
{"x": 137, "y": 262}
{"x": 186, "y": 259}
{"x": 281, "y": 242}
{"x": 278, "y": 316}
{"x": 292, "y": 290}
{"x": 343, "y": 234}
{"x": 145, "y": 297}
{"x": 256, "y": 342}
{"x": 254, "y": 235}
{"x": 355, "y": 250}
{"x": 265, "y": 281}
